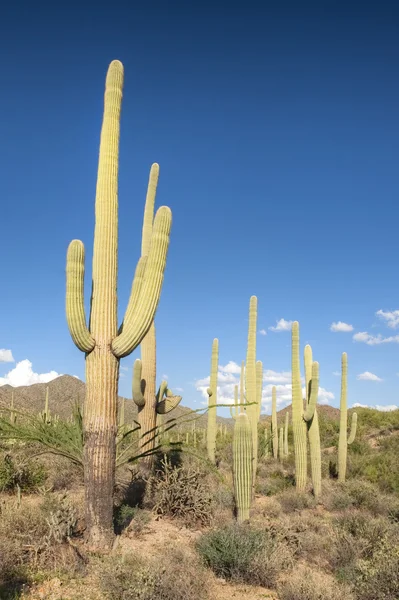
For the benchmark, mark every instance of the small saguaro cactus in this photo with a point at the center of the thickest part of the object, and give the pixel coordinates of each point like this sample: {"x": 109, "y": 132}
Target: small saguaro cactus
{"x": 281, "y": 443}
{"x": 287, "y": 418}
{"x": 298, "y": 424}
{"x": 212, "y": 401}
{"x": 250, "y": 381}
{"x": 275, "y": 440}
{"x": 311, "y": 418}
{"x": 151, "y": 401}
{"x": 102, "y": 342}
{"x": 45, "y": 415}
{"x": 242, "y": 466}
{"x": 344, "y": 441}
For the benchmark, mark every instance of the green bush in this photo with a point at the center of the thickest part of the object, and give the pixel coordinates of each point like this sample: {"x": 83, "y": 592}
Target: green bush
{"x": 28, "y": 476}
{"x": 245, "y": 553}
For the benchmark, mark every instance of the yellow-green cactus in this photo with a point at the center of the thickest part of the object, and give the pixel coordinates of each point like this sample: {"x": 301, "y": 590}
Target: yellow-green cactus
{"x": 311, "y": 418}
{"x": 151, "y": 403}
{"x": 212, "y": 402}
{"x": 102, "y": 342}
{"x": 343, "y": 423}
{"x": 281, "y": 443}
{"x": 242, "y": 466}
{"x": 287, "y": 417}
{"x": 298, "y": 424}
{"x": 275, "y": 440}
{"x": 235, "y": 409}
{"x": 250, "y": 381}
{"x": 259, "y": 386}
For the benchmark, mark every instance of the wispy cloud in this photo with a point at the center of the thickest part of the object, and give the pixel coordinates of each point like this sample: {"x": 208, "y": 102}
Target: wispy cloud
{"x": 373, "y": 340}
{"x": 340, "y": 326}
{"x": 336, "y": 373}
{"x": 23, "y": 374}
{"x": 282, "y": 325}
{"x": 179, "y": 389}
{"x": 391, "y": 317}
{"x": 387, "y": 408}
{"x": 231, "y": 367}
{"x": 6, "y": 355}
{"x": 262, "y": 331}
{"x": 367, "y": 376}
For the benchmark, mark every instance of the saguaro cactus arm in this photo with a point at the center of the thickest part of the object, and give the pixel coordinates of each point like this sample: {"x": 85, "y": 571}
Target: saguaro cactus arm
{"x": 138, "y": 321}
{"x": 352, "y": 435}
{"x": 75, "y": 310}
{"x": 168, "y": 402}
{"x": 313, "y": 393}
{"x": 138, "y": 396}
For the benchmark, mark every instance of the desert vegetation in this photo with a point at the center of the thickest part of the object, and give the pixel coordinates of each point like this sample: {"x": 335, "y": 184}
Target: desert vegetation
{"x": 142, "y": 499}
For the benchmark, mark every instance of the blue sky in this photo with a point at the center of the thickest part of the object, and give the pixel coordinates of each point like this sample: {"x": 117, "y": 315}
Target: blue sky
{"x": 276, "y": 128}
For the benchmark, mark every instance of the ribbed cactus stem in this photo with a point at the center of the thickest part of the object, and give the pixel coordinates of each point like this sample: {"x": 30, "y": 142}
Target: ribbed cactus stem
{"x": 275, "y": 440}
{"x": 242, "y": 466}
{"x": 242, "y": 386}
{"x": 298, "y": 424}
{"x": 212, "y": 395}
{"x": 259, "y": 386}
{"x": 103, "y": 343}
{"x": 343, "y": 422}
{"x": 46, "y": 414}
{"x": 235, "y": 409}
{"x": 250, "y": 381}
{"x": 313, "y": 431}
{"x": 281, "y": 443}
{"x": 266, "y": 442}
{"x": 287, "y": 417}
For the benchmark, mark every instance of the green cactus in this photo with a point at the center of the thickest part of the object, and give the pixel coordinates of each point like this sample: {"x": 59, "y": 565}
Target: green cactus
{"x": 281, "y": 443}
{"x": 298, "y": 424}
{"x": 311, "y": 418}
{"x": 343, "y": 423}
{"x": 151, "y": 404}
{"x": 259, "y": 387}
{"x": 212, "y": 401}
{"x": 287, "y": 417}
{"x": 275, "y": 440}
{"x": 103, "y": 344}
{"x": 235, "y": 409}
{"x": 266, "y": 443}
{"x": 45, "y": 415}
{"x": 250, "y": 382}
{"x": 242, "y": 466}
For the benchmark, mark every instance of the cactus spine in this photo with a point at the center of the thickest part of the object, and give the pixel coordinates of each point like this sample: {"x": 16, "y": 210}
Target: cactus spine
{"x": 311, "y": 418}
{"x": 242, "y": 465}
{"x": 298, "y": 424}
{"x": 250, "y": 382}
{"x": 212, "y": 401}
{"x": 343, "y": 422}
{"x": 275, "y": 441}
{"x": 287, "y": 417}
{"x": 152, "y": 402}
{"x": 101, "y": 342}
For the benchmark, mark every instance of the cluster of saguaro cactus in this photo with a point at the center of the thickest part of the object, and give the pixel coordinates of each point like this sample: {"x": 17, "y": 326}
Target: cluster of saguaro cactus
{"x": 150, "y": 403}
{"x": 212, "y": 402}
{"x": 102, "y": 342}
{"x": 343, "y": 423}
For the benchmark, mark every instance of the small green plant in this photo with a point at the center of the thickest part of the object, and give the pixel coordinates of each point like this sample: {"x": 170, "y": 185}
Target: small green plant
{"x": 14, "y": 474}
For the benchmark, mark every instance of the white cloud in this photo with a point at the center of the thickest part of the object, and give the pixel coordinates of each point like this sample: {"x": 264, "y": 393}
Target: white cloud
{"x": 372, "y": 340}
{"x": 367, "y": 376}
{"x": 340, "y": 326}
{"x": 380, "y": 407}
{"x": 390, "y": 317}
{"x": 282, "y": 325}
{"x": 262, "y": 331}
{"x": 179, "y": 389}
{"x": 123, "y": 368}
{"x": 6, "y": 355}
{"x": 164, "y": 377}
{"x": 276, "y": 377}
{"x": 23, "y": 374}
{"x": 231, "y": 367}
{"x": 336, "y": 373}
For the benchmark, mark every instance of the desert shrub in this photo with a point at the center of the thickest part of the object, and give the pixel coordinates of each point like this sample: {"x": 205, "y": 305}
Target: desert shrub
{"x": 378, "y": 577}
{"x": 291, "y": 500}
{"x": 178, "y": 576}
{"x": 182, "y": 493}
{"x": 14, "y": 473}
{"x": 246, "y": 553}
{"x": 306, "y": 584}
{"x": 272, "y": 479}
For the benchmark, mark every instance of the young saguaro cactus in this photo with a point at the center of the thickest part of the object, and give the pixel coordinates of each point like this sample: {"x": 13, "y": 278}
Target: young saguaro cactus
{"x": 281, "y": 443}
{"x": 298, "y": 424}
{"x": 103, "y": 344}
{"x": 212, "y": 401}
{"x": 343, "y": 422}
{"x": 311, "y": 418}
{"x": 242, "y": 466}
{"x": 151, "y": 403}
{"x": 275, "y": 440}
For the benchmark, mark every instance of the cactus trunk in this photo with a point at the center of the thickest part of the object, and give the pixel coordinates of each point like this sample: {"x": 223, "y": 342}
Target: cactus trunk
{"x": 298, "y": 424}
{"x": 312, "y": 420}
{"x": 286, "y": 434}
{"x": 275, "y": 440}
{"x": 250, "y": 383}
{"x": 242, "y": 466}
{"x": 212, "y": 401}
{"x": 281, "y": 443}
{"x": 343, "y": 423}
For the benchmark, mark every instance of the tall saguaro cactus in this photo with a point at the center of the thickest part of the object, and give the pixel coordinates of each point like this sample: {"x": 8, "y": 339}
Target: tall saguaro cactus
{"x": 344, "y": 441}
{"x": 103, "y": 344}
{"x": 212, "y": 401}
{"x": 150, "y": 402}
{"x": 275, "y": 440}
{"x": 287, "y": 417}
{"x": 242, "y": 465}
{"x": 311, "y": 418}
{"x": 250, "y": 381}
{"x": 298, "y": 424}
